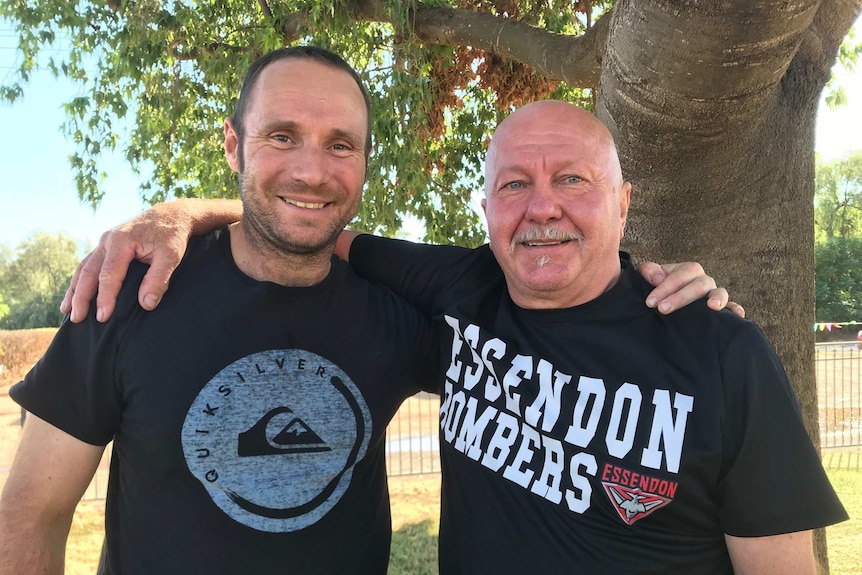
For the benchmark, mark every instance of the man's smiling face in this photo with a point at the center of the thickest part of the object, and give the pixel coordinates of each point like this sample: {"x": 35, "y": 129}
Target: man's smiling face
{"x": 555, "y": 204}
{"x": 303, "y": 155}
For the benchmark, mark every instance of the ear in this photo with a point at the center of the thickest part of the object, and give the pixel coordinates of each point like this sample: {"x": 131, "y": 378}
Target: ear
{"x": 625, "y": 199}
{"x": 484, "y": 203}
{"x": 231, "y": 146}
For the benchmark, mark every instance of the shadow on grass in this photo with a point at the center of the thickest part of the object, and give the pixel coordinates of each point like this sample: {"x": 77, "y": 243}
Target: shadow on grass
{"x": 414, "y": 549}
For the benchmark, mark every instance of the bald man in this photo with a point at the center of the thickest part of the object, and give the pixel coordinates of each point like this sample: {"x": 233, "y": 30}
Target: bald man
{"x": 582, "y": 432}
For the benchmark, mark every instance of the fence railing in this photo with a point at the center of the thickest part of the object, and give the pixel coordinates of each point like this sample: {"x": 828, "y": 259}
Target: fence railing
{"x": 839, "y": 393}
{"x": 412, "y": 445}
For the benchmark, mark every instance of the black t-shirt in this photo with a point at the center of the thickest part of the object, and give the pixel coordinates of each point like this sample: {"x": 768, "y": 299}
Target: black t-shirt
{"x": 248, "y": 418}
{"x": 603, "y": 438}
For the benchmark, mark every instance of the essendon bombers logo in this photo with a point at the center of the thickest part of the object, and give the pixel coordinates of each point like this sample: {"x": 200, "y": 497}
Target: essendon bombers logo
{"x": 633, "y": 504}
{"x": 635, "y": 495}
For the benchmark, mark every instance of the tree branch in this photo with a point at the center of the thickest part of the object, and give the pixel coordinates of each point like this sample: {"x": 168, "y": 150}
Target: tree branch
{"x": 574, "y": 59}
{"x": 264, "y": 7}
{"x": 831, "y": 24}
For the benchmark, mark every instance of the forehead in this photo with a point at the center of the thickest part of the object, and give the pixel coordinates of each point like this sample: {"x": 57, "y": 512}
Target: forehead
{"x": 551, "y": 136}
{"x": 302, "y": 87}
{"x": 552, "y": 148}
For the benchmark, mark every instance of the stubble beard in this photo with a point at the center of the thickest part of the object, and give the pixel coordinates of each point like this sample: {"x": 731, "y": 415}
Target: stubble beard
{"x": 264, "y": 230}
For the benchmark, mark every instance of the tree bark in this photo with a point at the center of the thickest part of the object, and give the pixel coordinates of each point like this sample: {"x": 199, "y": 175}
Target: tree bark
{"x": 714, "y": 117}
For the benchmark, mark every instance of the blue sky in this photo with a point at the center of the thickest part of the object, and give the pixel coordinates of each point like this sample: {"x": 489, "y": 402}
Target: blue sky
{"x": 38, "y": 192}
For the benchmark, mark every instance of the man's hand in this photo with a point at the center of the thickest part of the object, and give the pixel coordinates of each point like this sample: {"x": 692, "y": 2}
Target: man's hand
{"x": 157, "y": 237}
{"x": 677, "y": 285}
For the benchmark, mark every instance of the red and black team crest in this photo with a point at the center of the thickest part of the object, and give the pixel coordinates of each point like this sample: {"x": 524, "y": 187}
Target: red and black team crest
{"x": 635, "y": 495}
{"x": 633, "y": 504}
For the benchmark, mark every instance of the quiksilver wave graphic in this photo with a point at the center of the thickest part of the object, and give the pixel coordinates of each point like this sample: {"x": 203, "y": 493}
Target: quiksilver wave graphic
{"x": 274, "y": 437}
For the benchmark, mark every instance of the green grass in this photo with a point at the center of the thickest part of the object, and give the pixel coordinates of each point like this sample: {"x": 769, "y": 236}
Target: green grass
{"x": 844, "y": 540}
{"x": 414, "y": 549}
{"x": 415, "y": 516}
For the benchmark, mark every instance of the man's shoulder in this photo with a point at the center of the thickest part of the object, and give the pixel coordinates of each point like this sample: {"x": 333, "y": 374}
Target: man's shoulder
{"x": 695, "y": 321}
{"x": 199, "y": 248}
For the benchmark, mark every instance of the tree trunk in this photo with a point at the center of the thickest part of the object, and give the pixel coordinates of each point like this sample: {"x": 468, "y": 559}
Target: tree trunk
{"x": 722, "y": 162}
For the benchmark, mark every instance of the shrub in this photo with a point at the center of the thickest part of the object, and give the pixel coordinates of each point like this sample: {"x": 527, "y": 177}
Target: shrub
{"x": 19, "y": 350}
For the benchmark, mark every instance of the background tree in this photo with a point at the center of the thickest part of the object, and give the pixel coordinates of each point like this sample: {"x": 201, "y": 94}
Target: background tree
{"x": 712, "y": 104}
{"x": 838, "y": 198}
{"x": 4, "y": 309}
{"x": 35, "y": 280}
{"x": 838, "y": 279}
{"x": 838, "y": 239}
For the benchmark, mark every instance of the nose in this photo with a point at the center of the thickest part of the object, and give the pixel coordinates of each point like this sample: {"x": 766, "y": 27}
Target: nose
{"x": 309, "y": 164}
{"x": 544, "y": 206}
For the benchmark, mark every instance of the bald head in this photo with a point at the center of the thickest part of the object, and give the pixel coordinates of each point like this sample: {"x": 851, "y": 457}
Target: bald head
{"x": 553, "y": 123}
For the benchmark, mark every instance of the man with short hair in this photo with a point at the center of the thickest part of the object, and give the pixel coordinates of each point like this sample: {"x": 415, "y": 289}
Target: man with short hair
{"x": 248, "y": 413}
{"x": 580, "y": 430}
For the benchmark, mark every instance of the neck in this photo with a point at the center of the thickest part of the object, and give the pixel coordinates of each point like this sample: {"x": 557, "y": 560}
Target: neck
{"x": 261, "y": 261}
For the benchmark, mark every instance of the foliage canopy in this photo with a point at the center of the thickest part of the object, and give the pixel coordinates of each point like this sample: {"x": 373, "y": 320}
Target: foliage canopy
{"x": 838, "y": 198}
{"x": 158, "y": 79}
{"x": 838, "y": 237}
{"x": 838, "y": 279}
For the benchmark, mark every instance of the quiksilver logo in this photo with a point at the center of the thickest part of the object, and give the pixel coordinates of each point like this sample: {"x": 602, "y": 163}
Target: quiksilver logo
{"x": 274, "y": 437}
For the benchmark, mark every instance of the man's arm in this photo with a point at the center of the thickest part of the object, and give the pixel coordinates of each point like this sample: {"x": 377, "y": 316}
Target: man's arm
{"x": 787, "y": 554}
{"x": 48, "y": 477}
{"x": 159, "y": 237}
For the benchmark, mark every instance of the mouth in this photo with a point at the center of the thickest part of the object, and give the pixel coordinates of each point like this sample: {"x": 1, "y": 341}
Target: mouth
{"x": 545, "y": 244}
{"x": 305, "y": 205}
{"x": 538, "y": 237}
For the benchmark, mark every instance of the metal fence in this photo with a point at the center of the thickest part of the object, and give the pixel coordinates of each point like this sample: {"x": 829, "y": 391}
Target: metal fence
{"x": 412, "y": 445}
{"x": 839, "y": 393}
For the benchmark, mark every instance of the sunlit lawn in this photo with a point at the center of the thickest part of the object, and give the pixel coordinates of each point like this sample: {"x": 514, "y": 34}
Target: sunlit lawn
{"x": 415, "y": 514}
{"x": 845, "y": 539}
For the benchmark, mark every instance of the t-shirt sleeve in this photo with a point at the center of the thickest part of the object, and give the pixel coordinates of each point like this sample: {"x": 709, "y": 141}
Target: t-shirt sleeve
{"x": 417, "y": 272}
{"x": 774, "y": 481}
{"x": 74, "y": 386}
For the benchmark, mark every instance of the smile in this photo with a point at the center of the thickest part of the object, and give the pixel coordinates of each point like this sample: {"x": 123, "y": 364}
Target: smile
{"x": 306, "y": 205}
{"x": 543, "y": 244}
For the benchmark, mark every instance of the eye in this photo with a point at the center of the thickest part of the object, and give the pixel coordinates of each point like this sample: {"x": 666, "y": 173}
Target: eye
{"x": 283, "y": 138}
{"x": 514, "y": 185}
{"x": 573, "y": 180}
